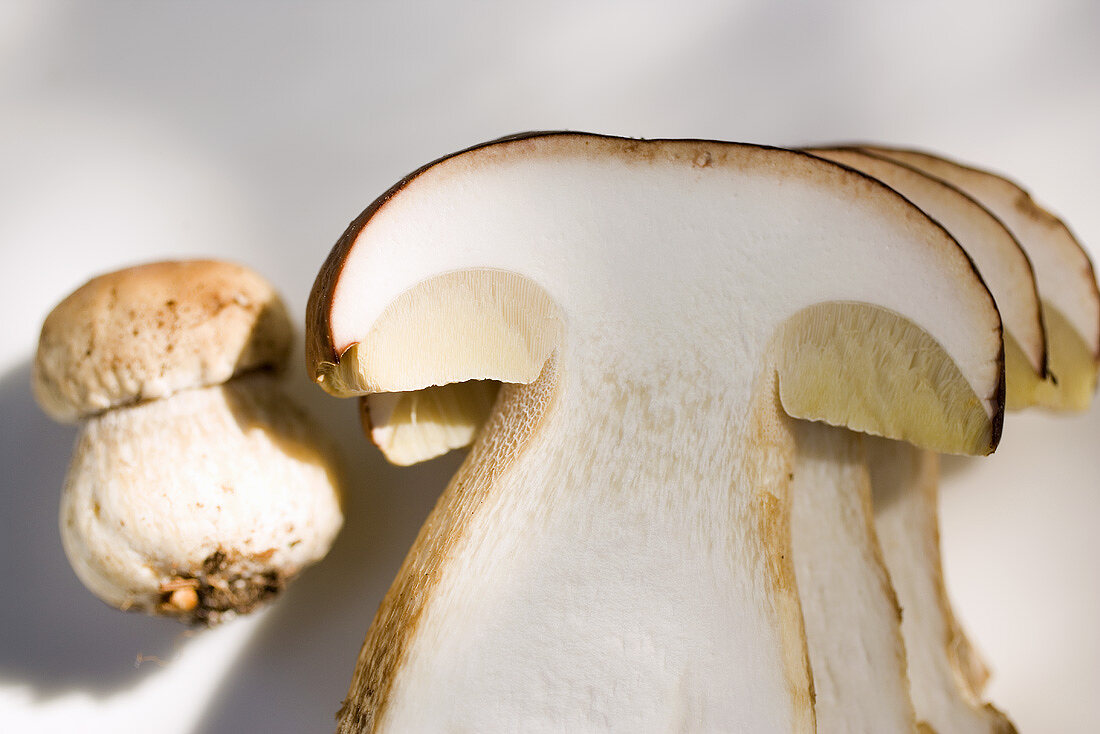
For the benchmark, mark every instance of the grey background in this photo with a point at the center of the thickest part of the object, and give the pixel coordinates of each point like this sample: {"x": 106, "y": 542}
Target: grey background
{"x": 256, "y": 130}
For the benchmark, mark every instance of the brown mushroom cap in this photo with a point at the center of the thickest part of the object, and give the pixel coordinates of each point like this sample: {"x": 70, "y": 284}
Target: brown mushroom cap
{"x": 151, "y": 330}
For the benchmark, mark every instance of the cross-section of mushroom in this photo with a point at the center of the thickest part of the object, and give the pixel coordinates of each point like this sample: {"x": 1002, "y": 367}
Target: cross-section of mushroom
{"x": 197, "y": 489}
{"x": 614, "y": 554}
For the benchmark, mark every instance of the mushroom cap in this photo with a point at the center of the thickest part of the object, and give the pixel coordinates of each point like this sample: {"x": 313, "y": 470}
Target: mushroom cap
{"x": 152, "y": 330}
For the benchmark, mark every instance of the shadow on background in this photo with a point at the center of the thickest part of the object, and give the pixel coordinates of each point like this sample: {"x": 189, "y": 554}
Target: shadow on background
{"x": 295, "y": 671}
{"x": 57, "y": 637}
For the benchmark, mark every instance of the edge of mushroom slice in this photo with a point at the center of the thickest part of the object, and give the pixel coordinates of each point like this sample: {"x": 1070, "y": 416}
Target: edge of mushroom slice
{"x": 1064, "y": 273}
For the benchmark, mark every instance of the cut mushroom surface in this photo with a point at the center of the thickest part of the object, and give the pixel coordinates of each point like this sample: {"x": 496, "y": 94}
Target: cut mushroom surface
{"x": 614, "y": 553}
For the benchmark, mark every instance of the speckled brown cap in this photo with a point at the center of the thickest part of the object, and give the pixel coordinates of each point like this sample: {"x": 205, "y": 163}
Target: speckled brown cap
{"x": 152, "y": 330}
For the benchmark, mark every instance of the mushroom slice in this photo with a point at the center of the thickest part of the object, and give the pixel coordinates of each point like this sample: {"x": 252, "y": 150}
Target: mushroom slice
{"x": 614, "y": 553}
{"x": 848, "y": 606}
{"x": 1063, "y": 272}
{"x": 944, "y": 671}
{"x": 1070, "y": 310}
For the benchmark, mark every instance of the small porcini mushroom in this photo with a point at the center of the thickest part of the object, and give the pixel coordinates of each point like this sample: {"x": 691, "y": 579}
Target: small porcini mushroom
{"x": 903, "y": 477}
{"x": 615, "y": 552}
{"x": 196, "y": 489}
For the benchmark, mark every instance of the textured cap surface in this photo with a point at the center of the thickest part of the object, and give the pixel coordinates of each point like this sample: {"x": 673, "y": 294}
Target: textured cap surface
{"x": 152, "y": 330}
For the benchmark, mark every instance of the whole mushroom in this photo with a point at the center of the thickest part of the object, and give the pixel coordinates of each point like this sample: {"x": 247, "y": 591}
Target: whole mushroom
{"x": 197, "y": 488}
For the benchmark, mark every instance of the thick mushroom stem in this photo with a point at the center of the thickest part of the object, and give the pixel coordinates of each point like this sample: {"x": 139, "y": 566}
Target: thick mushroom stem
{"x": 200, "y": 505}
{"x": 941, "y": 662}
{"x": 614, "y": 553}
{"x": 586, "y": 550}
{"x": 849, "y": 607}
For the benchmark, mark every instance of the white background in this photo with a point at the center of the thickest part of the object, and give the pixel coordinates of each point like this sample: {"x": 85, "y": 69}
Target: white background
{"x": 132, "y": 131}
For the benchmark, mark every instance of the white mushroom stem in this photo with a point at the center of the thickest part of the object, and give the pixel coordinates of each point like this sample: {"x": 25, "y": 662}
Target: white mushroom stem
{"x": 941, "y": 661}
{"x": 581, "y": 558}
{"x": 851, "y": 614}
{"x": 201, "y": 504}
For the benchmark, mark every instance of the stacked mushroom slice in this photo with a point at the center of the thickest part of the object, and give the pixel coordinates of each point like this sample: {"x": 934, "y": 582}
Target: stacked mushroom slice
{"x": 615, "y": 554}
{"x": 197, "y": 489}
{"x": 858, "y": 647}
{"x": 1065, "y": 277}
{"x": 946, "y": 674}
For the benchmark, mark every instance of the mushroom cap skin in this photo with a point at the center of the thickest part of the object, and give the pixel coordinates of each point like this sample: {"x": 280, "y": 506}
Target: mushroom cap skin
{"x": 152, "y": 330}
{"x": 614, "y": 553}
{"x": 224, "y": 491}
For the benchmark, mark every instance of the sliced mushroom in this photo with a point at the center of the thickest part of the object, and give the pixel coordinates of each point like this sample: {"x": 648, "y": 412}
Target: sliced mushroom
{"x": 186, "y": 497}
{"x": 903, "y": 478}
{"x": 614, "y": 554}
{"x": 854, "y": 647}
{"x": 1065, "y": 276}
{"x": 946, "y": 673}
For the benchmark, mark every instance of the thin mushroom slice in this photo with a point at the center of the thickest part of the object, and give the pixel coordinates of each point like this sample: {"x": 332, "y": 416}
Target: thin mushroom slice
{"x": 1063, "y": 272}
{"x": 944, "y": 671}
{"x": 614, "y": 553}
{"x": 1000, "y": 259}
{"x": 1067, "y": 290}
{"x": 848, "y": 606}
